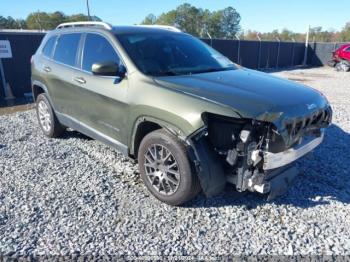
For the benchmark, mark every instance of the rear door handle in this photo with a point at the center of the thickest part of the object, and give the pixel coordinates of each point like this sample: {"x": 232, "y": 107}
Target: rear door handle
{"x": 47, "y": 69}
{"x": 80, "y": 80}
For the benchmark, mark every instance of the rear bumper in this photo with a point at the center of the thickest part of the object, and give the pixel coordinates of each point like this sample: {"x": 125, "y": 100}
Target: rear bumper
{"x": 276, "y": 160}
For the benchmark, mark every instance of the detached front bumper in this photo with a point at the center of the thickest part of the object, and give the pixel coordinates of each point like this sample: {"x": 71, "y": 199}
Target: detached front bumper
{"x": 273, "y": 161}
{"x": 279, "y": 171}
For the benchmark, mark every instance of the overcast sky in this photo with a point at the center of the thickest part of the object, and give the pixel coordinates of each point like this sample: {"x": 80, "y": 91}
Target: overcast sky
{"x": 261, "y": 15}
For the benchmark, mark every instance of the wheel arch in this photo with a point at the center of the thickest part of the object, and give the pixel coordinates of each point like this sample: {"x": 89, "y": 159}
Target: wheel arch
{"x": 38, "y": 89}
{"x": 145, "y": 125}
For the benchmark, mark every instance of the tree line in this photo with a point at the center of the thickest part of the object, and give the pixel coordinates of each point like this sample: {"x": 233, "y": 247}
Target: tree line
{"x": 42, "y": 20}
{"x": 316, "y": 34}
{"x": 225, "y": 24}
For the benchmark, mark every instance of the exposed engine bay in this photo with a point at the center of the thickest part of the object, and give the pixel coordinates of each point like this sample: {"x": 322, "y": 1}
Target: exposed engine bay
{"x": 254, "y": 155}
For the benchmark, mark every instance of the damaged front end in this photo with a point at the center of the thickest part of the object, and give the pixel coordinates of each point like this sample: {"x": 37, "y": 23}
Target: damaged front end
{"x": 254, "y": 155}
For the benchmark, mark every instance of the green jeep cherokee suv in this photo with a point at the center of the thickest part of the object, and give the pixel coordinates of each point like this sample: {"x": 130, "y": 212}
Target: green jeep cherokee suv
{"x": 191, "y": 118}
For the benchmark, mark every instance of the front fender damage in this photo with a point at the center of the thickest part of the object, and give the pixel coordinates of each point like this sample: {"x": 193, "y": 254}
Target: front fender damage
{"x": 251, "y": 154}
{"x": 207, "y": 164}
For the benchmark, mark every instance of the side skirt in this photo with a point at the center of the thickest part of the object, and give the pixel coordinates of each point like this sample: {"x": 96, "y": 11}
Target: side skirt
{"x": 90, "y": 132}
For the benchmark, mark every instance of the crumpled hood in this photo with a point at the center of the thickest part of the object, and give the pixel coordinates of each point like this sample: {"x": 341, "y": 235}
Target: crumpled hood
{"x": 250, "y": 93}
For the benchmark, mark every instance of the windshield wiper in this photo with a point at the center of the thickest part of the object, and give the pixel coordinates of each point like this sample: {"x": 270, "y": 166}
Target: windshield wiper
{"x": 209, "y": 70}
{"x": 163, "y": 73}
{"x": 176, "y": 73}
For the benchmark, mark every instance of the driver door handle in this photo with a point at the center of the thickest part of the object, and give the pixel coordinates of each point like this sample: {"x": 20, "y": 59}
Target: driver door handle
{"x": 47, "y": 69}
{"x": 80, "y": 80}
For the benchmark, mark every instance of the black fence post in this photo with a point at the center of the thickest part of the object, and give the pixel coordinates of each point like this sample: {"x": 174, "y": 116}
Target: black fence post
{"x": 259, "y": 54}
{"x": 268, "y": 57}
{"x": 238, "y": 49}
{"x": 278, "y": 52}
{"x": 293, "y": 51}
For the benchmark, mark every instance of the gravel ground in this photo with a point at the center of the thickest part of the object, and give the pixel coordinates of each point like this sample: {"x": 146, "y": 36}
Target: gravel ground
{"x": 75, "y": 196}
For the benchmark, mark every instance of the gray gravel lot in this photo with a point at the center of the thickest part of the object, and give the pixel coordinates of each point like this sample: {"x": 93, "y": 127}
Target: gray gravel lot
{"x": 76, "y": 196}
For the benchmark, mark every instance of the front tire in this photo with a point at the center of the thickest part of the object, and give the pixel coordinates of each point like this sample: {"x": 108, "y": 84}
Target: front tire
{"x": 165, "y": 168}
{"x": 47, "y": 119}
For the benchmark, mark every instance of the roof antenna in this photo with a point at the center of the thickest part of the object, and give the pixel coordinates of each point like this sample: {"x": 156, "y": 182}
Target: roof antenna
{"x": 88, "y": 9}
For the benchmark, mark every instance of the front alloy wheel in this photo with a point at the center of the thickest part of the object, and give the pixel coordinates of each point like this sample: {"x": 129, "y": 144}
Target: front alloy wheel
{"x": 162, "y": 170}
{"x": 165, "y": 168}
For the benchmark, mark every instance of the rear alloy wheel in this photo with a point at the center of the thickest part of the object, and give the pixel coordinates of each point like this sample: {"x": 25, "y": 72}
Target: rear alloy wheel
{"x": 165, "y": 168}
{"x": 47, "y": 119}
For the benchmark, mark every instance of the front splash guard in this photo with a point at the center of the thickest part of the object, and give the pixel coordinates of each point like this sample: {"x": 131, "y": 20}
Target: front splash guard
{"x": 209, "y": 169}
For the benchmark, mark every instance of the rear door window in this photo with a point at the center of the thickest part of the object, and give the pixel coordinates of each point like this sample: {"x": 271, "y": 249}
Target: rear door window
{"x": 67, "y": 49}
{"x": 97, "y": 49}
{"x": 49, "y": 46}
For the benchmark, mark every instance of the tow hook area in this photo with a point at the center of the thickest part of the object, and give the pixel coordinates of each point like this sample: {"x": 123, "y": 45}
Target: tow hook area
{"x": 277, "y": 172}
{"x": 280, "y": 184}
{"x": 276, "y": 183}
{"x": 272, "y": 182}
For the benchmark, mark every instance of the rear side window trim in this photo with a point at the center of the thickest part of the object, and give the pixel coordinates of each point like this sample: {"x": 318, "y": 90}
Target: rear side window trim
{"x": 80, "y": 50}
{"x": 76, "y": 65}
{"x": 53, "y": 48}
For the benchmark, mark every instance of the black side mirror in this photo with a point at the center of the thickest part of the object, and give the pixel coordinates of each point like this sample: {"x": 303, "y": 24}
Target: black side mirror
{"x": 108, "y": 69}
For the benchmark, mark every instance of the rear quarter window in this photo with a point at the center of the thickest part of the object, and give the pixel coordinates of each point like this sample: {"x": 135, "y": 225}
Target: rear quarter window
{"x": 67, "y": 48}
{"x": 49, "y": 46}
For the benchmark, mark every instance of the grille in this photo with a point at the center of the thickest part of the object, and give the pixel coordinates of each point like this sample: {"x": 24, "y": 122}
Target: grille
{"x": 296, "y": 128}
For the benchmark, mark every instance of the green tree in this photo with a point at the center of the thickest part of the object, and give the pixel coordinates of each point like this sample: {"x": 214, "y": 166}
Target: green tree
{"x": 3, "y": 22}
{"x": 314, "y": 32}
{"x": 39, "y": 20}
{"x": 57, "y": 18}
{"x": 229, "y": 22}
{"x": 344, "y": 35}
{"x": 286, "y": 35}
{"x": 149, "y": 20}
{"x": 77, "y": 18}
{"x": 11, "y": 23}
{"x": 213, "y": 24}
{"x": 168, "y": 18}
{"x": 189, "y": 19}
{"x": 49, "y": 21}
{"x": 250, "y": 35}
{"x": 199, "y": 22}
{"x": 21, "y": 24}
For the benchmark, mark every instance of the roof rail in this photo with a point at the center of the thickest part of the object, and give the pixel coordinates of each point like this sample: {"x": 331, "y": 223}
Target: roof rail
{"x": 85, "y": 23}
{"x": 166, "y": 27}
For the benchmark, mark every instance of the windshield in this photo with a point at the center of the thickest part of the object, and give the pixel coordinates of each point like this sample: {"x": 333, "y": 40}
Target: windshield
{"x": 169, "y": 54}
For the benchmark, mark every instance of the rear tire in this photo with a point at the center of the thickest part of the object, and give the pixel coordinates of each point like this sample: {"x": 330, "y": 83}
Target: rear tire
{"x": 165, "y": 168}
{"x": 343, "y": 66}
{"x": 47, "y": 119}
